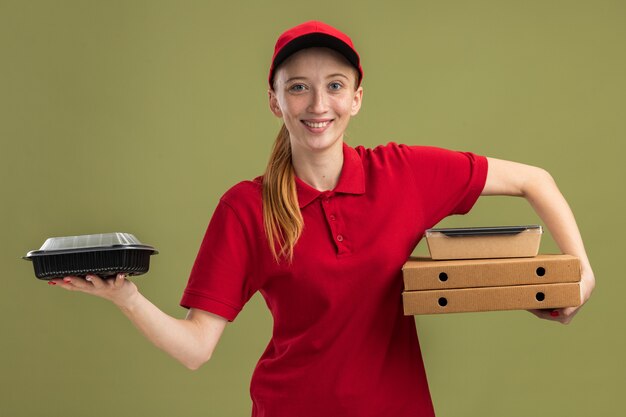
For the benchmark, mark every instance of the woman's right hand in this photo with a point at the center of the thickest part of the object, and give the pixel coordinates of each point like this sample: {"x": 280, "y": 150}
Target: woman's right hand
{"x": 119, "y": 290}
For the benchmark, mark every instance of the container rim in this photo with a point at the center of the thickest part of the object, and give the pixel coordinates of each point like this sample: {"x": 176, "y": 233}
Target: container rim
{"x": 484, "y": 231}
{"x": 34, "y": 253}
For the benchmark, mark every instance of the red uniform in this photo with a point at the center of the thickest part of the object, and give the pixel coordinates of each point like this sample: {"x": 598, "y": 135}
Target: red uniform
{"x": 341, "y": 345}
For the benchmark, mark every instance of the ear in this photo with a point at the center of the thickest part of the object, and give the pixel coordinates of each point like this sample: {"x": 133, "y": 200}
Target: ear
{"x": 274, "y": 105}
{"x": 356, "y": 101}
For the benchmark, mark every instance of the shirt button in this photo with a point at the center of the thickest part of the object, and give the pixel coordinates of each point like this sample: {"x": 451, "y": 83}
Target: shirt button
{"x": 326, "y": 200}
{"x": 332, "y": 217}
{"x": 339, "y": 238}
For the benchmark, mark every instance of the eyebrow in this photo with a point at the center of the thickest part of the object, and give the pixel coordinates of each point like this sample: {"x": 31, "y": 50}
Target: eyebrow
{"x": 330, "y": 76}
{"x": 293, "y": 79}
{"x": 339, "y": 75}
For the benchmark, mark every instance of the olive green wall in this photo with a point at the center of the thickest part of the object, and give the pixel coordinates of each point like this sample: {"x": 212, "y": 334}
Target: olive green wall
{"x": 135, "y": 116}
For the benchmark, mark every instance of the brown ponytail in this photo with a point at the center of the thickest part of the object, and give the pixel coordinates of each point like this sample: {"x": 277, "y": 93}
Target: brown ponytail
{"x": 281, "y": 213}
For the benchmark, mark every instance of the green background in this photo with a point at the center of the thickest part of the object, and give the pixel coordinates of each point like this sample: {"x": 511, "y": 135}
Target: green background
{"x": 135, "y": 116}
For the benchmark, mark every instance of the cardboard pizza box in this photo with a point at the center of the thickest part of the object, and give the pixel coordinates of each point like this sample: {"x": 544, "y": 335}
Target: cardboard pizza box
{"x": 517, "y": 297}
{"x": 426, "y": 274}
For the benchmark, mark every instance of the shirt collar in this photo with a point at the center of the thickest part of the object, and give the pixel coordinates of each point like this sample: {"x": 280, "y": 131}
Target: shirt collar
{"x": 351, "y": 179}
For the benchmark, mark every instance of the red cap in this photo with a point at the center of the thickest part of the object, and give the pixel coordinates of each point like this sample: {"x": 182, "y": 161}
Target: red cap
{"x": 311, "y": 34}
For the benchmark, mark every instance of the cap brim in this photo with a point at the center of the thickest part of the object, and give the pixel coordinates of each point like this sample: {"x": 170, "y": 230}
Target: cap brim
{"x": 317, "y": 40}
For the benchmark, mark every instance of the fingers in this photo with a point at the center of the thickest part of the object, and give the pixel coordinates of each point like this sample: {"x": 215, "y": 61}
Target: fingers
{"x": 538, "y": 313}
{"x": 569, "y": 313}
{"x": 547, "y": 314}
{"x": 91, "y": 283}
{"x": 561, "y": 315}
{"x": 96, "y": 282}
{"x": 74, "y": 283}
{"x": 119, "y": 280}
{"x": 117, "y": 289}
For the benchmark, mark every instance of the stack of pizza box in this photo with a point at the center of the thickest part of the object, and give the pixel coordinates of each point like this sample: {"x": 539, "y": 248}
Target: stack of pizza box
{"x": 488, "y": 269}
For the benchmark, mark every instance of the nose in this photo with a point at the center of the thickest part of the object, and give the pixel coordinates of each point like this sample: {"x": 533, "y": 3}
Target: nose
{"x": 318, "y": 104}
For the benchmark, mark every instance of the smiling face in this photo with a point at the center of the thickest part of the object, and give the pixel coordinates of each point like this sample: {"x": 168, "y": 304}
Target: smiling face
{"x": 314, "y": 93}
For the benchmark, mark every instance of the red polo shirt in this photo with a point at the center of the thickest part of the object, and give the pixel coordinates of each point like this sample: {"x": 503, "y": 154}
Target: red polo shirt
{"x": 341, "y": 345}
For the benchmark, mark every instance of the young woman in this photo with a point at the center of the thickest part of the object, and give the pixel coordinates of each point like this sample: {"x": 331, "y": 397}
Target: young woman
{"x": 323, "y": 235}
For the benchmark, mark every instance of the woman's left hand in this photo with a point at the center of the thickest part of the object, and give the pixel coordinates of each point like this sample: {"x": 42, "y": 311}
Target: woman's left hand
{"x": 565, "y": 315}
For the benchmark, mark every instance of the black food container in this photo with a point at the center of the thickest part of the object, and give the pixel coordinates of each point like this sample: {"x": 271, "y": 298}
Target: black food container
{"x": 104, "y": 254}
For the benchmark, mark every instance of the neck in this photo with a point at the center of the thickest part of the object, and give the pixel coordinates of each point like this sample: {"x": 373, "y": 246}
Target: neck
{"x": 321, "y": 170}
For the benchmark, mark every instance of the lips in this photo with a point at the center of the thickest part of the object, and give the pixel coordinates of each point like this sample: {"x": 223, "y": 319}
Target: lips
{"x": 317, "y": 124}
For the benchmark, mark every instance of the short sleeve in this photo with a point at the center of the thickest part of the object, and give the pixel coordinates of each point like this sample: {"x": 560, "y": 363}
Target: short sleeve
{"x": 449, "y": 181}
{"x": 220, "y": 281}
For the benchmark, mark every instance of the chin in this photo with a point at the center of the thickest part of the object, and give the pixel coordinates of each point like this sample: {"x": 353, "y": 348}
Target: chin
{"x": 321, "y": 144}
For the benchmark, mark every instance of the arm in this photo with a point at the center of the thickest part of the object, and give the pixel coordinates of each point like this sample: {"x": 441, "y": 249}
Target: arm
{"x": 191, "y": 341}
{"x": 538, "y": 187}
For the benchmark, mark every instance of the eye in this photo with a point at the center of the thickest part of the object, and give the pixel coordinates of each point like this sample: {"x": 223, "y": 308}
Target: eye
{"x": 296, "y": 88}
{"x": 335, "y": 86}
